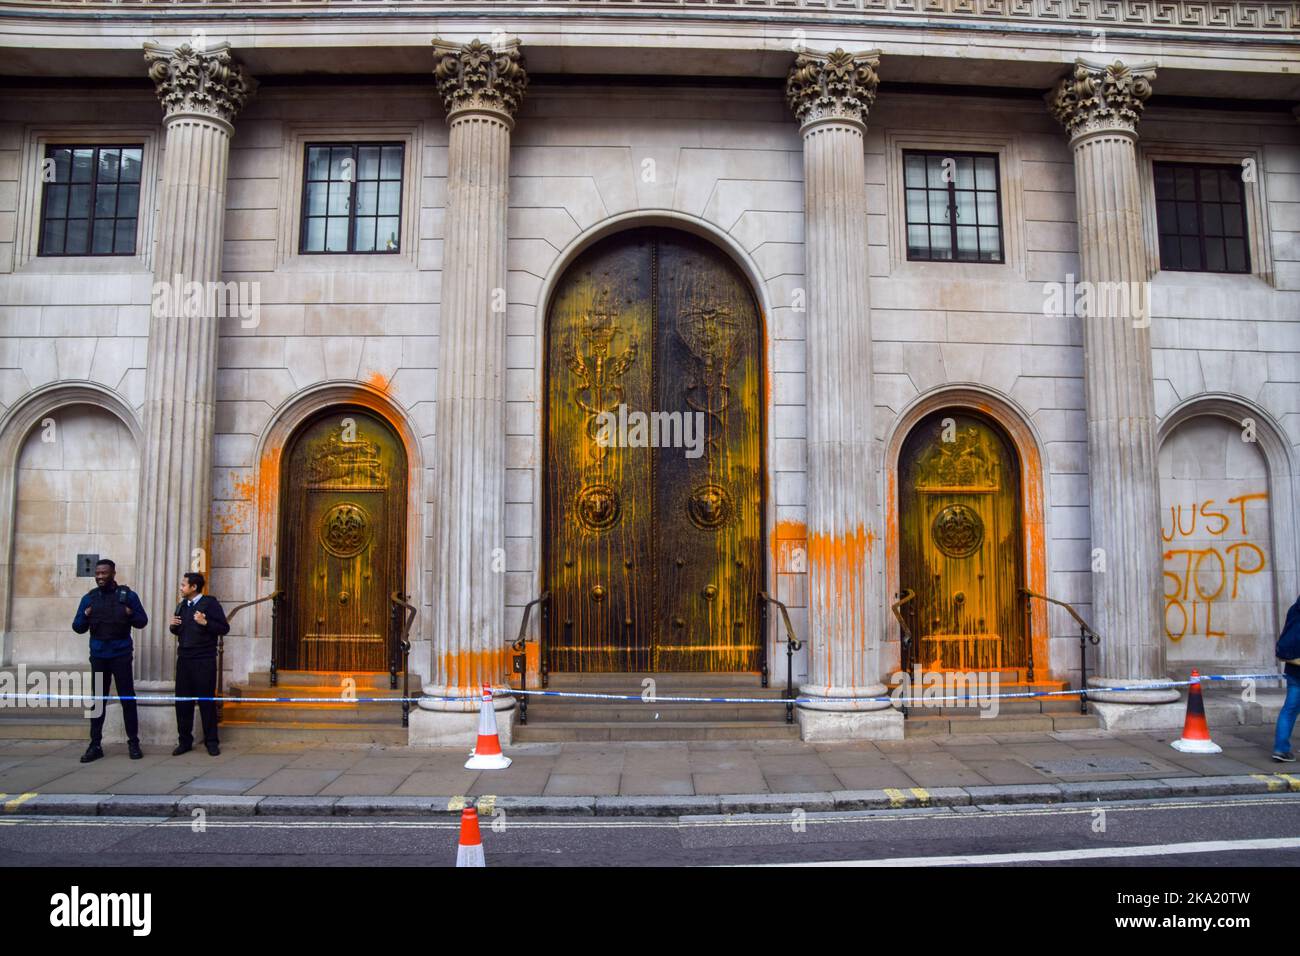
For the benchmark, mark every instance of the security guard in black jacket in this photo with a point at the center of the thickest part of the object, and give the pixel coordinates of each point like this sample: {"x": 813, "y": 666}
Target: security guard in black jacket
{"x": 198, "y": 622}
{"x": 108, "y": 612}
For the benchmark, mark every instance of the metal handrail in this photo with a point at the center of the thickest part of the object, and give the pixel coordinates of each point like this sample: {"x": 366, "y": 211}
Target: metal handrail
{"x": 520, "y": 647}
{"x": 906, "y": 595}
{"x": 400, "y": 603}
{"x": 792, "y": 644}
{"x": 221, "y": 645}
{"x": 1086, "y": 636}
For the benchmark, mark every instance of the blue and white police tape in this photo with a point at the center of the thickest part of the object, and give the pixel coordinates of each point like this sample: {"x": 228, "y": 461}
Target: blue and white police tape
{"x": 652, "y": 698}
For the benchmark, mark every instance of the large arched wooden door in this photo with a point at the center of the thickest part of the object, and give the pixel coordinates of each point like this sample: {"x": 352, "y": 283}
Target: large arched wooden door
{"x": 654, "y": 554}
{"x": 960, "y": 545}
{"x": 342, "y": 542}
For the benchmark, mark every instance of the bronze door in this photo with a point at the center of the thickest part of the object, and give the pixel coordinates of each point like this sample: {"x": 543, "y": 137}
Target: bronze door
{"x": 342, "y": 541}
{"x": 960, "y": 544}
{"x": 654, "y": 508}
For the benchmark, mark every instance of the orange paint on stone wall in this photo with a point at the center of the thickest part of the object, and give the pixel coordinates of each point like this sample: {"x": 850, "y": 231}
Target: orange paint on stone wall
{"x": 467, "y": 670}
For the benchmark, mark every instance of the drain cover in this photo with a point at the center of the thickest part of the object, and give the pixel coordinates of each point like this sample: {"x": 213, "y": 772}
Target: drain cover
{"x": 1075, "y": 765}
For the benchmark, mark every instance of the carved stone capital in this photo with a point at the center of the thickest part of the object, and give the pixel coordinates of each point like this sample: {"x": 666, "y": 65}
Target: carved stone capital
{"x": 199, "y": 81}
{"x": 480, "y": 76}
{"x": 1096, "y": 97}
{"x": 834, "y": 85}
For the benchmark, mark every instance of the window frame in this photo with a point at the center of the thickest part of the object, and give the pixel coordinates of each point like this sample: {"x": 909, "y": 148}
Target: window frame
{"x": 952, "y": 206}
{"x": 1242, "y": 203}
{"x": 44, "y": 198}
{"x": 354, "y": 145}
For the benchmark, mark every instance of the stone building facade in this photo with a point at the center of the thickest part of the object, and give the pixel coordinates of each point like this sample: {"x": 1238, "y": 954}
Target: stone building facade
{"x": 1113, "y": 343}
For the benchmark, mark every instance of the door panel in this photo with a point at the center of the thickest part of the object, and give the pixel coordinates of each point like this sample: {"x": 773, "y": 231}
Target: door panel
{"x": 599, "y": 353}
{"x": 960, "y": 544}
{"x": 709, "y": 507}
{"x": 654, "y": 543}
{"x": 342, "y": 542}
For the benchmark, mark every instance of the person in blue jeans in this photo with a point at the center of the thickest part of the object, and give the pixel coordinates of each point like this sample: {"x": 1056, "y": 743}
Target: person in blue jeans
{"x": 1288, "y": 649}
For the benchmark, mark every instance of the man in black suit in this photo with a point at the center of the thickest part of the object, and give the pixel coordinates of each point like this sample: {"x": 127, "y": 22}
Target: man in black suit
{"x": 198, "y": 623}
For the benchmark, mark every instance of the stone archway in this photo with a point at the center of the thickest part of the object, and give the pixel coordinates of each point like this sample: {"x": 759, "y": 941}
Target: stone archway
{"x": 961, "y": 551}
{"x": 1229, "y": 559}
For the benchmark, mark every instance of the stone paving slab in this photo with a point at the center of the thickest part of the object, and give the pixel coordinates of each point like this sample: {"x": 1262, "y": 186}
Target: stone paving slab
{"x": 675, "y": 777}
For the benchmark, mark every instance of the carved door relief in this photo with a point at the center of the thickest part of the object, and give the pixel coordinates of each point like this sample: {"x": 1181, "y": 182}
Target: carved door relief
{"x": 654, "y": 459}
{"x": 960, "y": 545}
{"x": 342, "y": 541}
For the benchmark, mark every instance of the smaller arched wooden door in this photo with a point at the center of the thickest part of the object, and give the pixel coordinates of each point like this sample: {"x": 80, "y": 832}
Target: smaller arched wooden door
{"x": 342, "y": 541}
{"x": 960, "y": 545}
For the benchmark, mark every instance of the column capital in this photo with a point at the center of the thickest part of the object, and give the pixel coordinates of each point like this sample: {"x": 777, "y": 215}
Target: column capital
{"x": 480, "y": 76}
{"x": 199, "y": 81}
{"x": 836, "y": 85}
{"x": 1097, "y": 97}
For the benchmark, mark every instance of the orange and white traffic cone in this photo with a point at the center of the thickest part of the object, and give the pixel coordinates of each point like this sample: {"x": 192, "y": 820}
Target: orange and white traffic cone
{"x": 487, "y": 754}
{"x": 470, "y": 850}
{"x": 1196, "y": 731}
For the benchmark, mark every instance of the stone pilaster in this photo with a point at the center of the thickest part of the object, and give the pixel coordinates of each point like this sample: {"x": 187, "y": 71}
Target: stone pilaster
{"x": 1100, "y": 106}
{"x": 201, "y": 93}
{"x": 831, "y": 95}
{"x": 481, "y": 87}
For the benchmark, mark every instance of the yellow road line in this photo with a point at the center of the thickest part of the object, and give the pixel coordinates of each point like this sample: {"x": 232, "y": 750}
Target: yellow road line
{"x": 18, "y": 801}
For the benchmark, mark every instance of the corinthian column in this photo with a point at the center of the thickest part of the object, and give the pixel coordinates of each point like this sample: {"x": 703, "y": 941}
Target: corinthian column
{"x": 1100, "y": 106}
{"x": 830, "y": 95}
{"x": 481, "y": 87}
{"x": 201, "y": 92}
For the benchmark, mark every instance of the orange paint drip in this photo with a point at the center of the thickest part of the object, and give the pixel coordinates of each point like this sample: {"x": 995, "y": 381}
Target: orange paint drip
{"x": 845, "y": 560}
{"x": 468, "y": 671}
{"x": 378, "y": 381}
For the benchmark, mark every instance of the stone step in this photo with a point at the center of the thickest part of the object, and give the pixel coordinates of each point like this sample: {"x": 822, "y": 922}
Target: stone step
{"x": 290, "y": 732}
{"x": 365, "y": 680}
{"x": 647, "y": 713}
{"x": 655, "y": 730}
{"x": 315, "y": 713}
{"x": 44, "y": 725}
{"x": 631, "y": 682}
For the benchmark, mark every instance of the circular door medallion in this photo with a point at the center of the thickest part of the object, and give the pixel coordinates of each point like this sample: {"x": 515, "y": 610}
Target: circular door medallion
{"x": 957, "y": 531}
{"x": 709, "y": 507}
{"x": 345, "y": 530}
{"x": 598, "y": 507}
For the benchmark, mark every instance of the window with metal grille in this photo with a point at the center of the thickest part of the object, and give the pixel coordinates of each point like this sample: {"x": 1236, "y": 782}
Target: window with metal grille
{"x": 1201, "y": 218}
{"x": 352, "y": 198}
{"x": 91, "y": 201}
{"x": 954, "y": 206}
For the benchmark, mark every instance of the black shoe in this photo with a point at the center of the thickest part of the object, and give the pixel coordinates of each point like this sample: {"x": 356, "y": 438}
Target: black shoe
{"x": 133, "y": 750}
{"x": 182, "y": 749}
{"x": 214, "y": 750}
{"x": 93, "y": 752}
{"x": 1281, "y": 756}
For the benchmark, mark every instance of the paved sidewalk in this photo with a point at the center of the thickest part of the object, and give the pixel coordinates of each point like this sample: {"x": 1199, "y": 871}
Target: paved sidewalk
{"x": 705, "y": 776}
